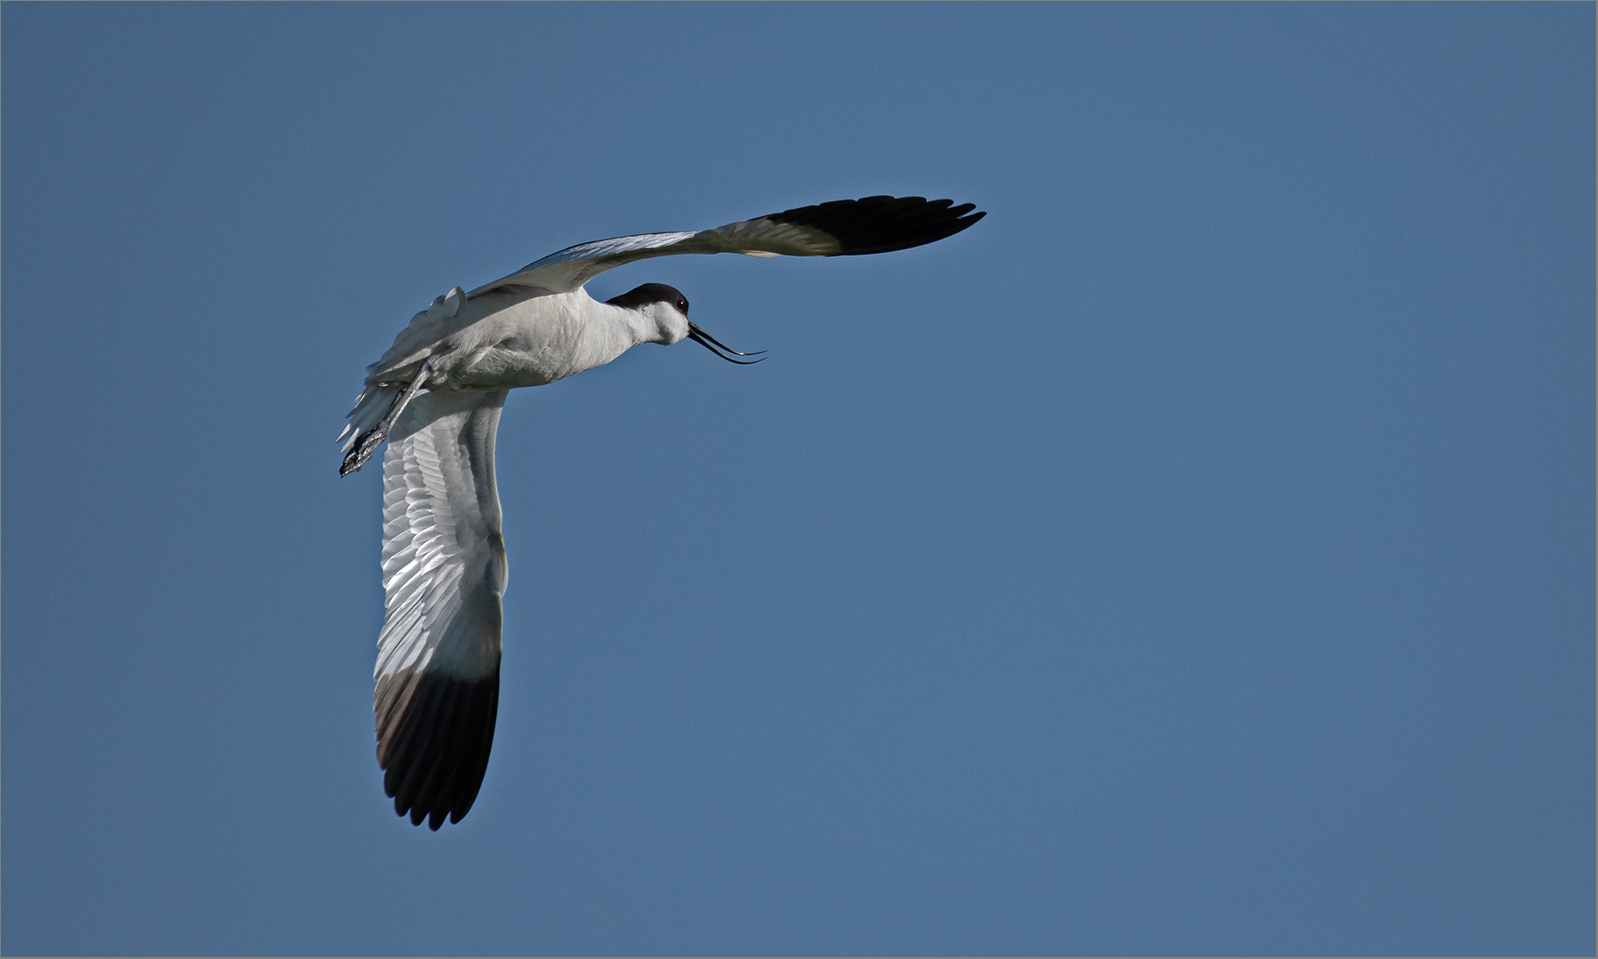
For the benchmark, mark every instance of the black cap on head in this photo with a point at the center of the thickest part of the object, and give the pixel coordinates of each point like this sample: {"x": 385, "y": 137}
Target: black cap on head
{"x": 642, "y": 296}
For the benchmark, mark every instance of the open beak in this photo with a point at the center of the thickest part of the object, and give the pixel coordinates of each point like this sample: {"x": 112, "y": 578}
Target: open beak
{"x": 720, "y": 349}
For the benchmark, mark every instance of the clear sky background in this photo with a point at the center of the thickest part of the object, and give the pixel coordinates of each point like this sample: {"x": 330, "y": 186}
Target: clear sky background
{"x": 1196, "y": 556}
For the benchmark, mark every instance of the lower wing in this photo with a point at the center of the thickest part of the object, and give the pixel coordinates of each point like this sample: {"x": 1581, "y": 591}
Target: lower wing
{"x": 444, "y": 574}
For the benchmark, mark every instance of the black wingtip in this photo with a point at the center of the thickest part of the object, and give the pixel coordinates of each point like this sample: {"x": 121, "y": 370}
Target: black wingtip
{"x": 434, "y": 736}
{"x": 883, "y": 224}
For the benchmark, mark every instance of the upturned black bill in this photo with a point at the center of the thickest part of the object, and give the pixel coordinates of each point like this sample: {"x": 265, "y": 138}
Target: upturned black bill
{"x": 720, "y": 349}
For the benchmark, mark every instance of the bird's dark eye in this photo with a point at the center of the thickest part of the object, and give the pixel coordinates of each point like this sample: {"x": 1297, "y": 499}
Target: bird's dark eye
{"x": 682, "y": 305}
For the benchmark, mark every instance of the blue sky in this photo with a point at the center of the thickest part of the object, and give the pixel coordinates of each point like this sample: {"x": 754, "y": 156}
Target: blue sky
{"x": 1196, "y": 556}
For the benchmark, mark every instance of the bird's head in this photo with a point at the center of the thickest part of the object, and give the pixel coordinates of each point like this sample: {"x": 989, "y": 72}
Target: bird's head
{"x": 668, "y": 308}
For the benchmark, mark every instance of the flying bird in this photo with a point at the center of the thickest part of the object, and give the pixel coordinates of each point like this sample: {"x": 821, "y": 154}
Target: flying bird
{"x": 436, "y": 396}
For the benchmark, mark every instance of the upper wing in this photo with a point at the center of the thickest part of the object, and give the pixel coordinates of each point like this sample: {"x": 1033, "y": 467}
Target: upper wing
{"x": 444, "y": 573}
{"x": 874, "y": 224}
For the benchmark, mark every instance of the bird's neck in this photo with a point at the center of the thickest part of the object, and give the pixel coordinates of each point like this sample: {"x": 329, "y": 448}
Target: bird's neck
{"x": 635, "y": 326}
{"x": 611, "y": 331}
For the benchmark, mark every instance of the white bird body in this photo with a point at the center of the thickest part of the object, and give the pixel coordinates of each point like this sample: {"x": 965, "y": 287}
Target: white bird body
{"x": 435, "y": 397}
{"x": 512, "y": 338}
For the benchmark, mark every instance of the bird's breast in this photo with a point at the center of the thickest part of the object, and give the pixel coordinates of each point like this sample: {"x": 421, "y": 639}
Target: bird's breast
{"x": 508, "y": 362}
{"x": 528, "y": 344}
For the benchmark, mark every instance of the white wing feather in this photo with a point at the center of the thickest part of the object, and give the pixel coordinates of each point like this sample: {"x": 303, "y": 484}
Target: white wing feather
{"x": 443, "y": 557}
{"x": 574, "y": 266}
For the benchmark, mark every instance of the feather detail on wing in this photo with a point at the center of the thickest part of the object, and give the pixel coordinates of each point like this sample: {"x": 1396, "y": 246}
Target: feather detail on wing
{"x": 444, "y": 574}
{"x": 426, "y": 328}
{"x": 874, "y": 224}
